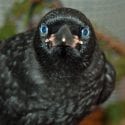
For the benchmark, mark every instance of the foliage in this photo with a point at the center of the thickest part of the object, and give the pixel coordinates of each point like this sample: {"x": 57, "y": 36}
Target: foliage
{"x": 117, "y": 60}
{"x": 115, "y": 113}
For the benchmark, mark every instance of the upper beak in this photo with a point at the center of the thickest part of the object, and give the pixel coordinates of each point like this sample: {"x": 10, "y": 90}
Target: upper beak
{"x": 64, "y": 36}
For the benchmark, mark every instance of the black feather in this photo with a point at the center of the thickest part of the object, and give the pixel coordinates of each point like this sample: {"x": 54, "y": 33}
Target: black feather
{"x": 43, "y": 84}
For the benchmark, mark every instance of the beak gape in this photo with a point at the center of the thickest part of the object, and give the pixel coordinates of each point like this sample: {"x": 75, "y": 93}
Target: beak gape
{"x": 64, "y": 37}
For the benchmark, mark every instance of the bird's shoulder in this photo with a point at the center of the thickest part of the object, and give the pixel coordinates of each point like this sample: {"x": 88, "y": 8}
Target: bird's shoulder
{"x": 16, "y": 42}
{"x": 97, "y": 65}
{"x": 12, "y": 53}
{"x": 13, "y": 48}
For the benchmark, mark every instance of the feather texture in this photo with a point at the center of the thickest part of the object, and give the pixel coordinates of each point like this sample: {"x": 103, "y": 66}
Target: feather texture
{"x": 46, "y": 81}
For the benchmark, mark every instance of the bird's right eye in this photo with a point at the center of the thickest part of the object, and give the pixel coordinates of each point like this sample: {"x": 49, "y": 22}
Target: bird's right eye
{"x": 43, "y": 30}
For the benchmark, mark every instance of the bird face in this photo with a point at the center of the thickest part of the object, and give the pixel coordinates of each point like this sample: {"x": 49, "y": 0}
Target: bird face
{"x": 65, "y": 32}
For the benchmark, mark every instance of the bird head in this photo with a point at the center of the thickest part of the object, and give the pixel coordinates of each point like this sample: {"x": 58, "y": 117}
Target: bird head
{"x": 63, "y": 33}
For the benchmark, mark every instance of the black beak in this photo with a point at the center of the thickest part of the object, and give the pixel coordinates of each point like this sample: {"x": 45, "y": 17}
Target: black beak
{"x": 64, "y": 36}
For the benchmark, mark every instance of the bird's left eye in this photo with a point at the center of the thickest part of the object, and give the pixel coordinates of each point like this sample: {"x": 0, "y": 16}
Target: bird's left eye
{"x": 85, "y": 32}
{"x": 43, "y": 30}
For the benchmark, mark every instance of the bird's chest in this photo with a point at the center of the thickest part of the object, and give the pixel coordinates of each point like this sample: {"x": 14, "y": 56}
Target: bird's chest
{"x": 63, "y": 70}
{"x": 63, "y": 78}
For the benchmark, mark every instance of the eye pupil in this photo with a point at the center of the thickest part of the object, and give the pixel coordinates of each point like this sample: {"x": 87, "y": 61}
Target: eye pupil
{"x": 85, "y": 32}
{"x": 43, "y": 30}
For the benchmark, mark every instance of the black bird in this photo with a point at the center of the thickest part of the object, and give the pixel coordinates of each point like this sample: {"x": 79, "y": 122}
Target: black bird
{"x": 54, "y": 74}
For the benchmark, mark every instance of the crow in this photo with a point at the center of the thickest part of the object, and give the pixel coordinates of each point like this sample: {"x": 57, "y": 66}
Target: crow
{"x": 53, "y": 74}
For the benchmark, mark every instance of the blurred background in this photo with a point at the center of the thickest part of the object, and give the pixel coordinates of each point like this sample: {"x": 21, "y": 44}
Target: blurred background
{"x": 108, "y": 19}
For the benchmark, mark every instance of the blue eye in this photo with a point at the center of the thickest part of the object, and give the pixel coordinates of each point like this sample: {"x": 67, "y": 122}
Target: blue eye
{"x": 85, "y": 33}
{"x": 43, "y": 30}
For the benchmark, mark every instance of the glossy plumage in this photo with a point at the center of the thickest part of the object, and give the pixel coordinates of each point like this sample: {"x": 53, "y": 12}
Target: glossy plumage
{"x": 53, "y": 78}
